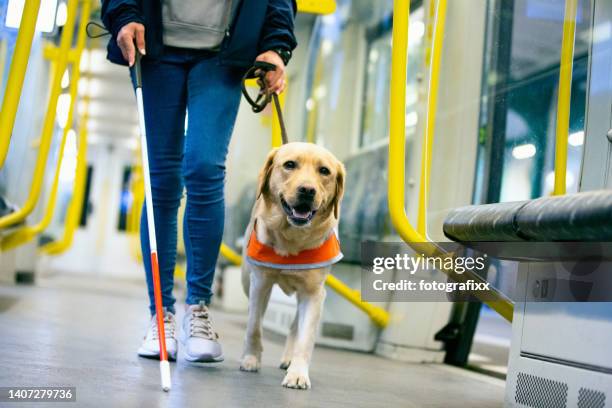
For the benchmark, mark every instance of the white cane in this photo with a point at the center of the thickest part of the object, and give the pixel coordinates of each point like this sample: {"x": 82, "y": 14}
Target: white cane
{"x": 164, "y": 366}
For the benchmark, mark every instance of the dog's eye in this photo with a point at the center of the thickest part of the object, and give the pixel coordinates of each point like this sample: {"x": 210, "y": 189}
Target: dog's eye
{"x": 290, "y": 165}
{"x": 324, "y": 171}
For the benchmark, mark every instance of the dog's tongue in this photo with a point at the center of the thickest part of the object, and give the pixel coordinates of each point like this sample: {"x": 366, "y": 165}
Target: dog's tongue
{"x": 301, "y": 214}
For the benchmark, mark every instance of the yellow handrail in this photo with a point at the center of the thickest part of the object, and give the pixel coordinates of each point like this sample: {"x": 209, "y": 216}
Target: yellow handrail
{"x": 397, "y": 149}
{"x": 316, "y": 6}
{"x": 49, "y": 122}
{"x": 25, "y": 234}
{"x": 564, "y": 95}
{"x": 432, "y": 106}
{"x": 75, "y": 209}
{"x": 229, "y": 254}
{"x": 19, "y": 65}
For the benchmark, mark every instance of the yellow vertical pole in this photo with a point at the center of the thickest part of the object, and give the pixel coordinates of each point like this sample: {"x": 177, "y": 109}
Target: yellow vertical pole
{"x": 397, "y": 150}
{"x": 564, "y": 95}
{"x": 17, "y": 72}
{"x": 49, "y": 121}
{"x": 432, "y": 106}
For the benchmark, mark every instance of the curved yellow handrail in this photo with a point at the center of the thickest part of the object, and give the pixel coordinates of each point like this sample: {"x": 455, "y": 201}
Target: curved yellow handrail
{"x": 432, "y": 107}
{"x": 316, "y": 6}
{"x": 75, "y": 209}
{"x": 564, "y": 95}
{"x": 231, "y": 255}
{"x": 25, "y": 234}
{"x": 16, "y": 76}
{"x": 397, "y": 150}
{"x": 49, "y": 122}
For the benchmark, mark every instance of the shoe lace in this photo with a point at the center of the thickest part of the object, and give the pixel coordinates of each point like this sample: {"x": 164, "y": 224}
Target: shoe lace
{"x": 200, "y": 324}
{"x": 169, "y": 327}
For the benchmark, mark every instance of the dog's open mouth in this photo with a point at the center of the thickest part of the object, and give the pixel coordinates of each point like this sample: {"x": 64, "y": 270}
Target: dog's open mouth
{"x": 301, "y": 214}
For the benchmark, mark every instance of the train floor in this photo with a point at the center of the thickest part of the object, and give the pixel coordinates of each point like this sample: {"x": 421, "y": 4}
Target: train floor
{"x": 83, "y": 332}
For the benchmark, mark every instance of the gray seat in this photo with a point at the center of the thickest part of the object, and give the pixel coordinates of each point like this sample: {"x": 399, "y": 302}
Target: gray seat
{"x": 575, "y": 217}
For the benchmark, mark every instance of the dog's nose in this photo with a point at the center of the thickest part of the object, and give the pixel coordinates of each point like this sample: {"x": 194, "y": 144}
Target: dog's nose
{"x": 306, "y": 192}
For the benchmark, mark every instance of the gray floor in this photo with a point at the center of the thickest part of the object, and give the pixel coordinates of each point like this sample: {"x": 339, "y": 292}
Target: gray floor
{"x": 84, "y": 333}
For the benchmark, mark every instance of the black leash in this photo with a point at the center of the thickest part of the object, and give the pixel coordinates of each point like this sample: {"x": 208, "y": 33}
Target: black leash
{"x": 259, "y": 71}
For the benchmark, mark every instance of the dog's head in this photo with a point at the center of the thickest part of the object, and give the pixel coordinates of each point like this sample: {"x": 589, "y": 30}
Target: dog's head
{"x": 304, "y": 181}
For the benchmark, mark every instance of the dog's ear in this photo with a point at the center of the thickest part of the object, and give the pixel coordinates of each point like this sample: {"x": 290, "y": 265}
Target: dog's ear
{"x": 265, "y": 173}
{"x": 340, "y": 176}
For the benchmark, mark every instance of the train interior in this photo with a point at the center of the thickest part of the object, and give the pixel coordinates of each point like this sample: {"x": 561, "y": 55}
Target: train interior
{"x": 73, "y": 303}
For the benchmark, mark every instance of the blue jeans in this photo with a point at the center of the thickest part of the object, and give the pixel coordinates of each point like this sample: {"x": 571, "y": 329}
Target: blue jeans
{"x": 192, "y": 158}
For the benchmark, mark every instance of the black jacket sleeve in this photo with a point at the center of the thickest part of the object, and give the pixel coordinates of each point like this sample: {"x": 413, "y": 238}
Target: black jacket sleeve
{"x": 277, "y": 31}
{"x": 117, "y": 13}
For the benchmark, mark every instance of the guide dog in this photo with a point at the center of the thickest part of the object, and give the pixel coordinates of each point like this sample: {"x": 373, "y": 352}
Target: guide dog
{"x": 292, "y": 243}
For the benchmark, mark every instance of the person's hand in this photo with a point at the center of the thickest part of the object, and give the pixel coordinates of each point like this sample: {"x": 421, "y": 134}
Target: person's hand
{"x": 125, "y": 41}
{"x": 275, "y": 80}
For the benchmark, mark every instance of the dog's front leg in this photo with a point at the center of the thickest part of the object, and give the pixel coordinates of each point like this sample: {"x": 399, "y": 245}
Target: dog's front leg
{"x": 259, "y": 294}
{"x": 309, "y": 311}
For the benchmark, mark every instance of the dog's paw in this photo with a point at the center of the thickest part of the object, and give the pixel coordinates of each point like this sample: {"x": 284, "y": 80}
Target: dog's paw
{"x": 297, "y": 380}
{"x": 284, "y": 364}
{"x": 250, "y": 363}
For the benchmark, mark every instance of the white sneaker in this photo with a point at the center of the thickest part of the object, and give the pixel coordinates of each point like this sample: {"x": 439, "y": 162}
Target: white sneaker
{"x": 198, "y": 337}
{"x": 150, "y": 345}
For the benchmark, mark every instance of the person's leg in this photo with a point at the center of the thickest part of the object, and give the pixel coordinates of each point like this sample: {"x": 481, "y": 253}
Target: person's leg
{"x": 165, "y": 97}
{"x": 213, "y": 100}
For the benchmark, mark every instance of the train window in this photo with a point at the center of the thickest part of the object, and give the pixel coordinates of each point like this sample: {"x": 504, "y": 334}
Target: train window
{"x": 125, "y": 199}
{"x": 519, "y": 99}
{"x": 331, "y": 78}
{"x": 375, "y": 114}
{"x": 353, "y": 46}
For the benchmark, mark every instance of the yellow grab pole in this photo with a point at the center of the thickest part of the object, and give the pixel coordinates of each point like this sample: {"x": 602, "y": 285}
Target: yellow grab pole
{"x": 564, "y": 95}
{"x": 378, "y": 315}
{"x": 397, "y": 150}
{"x": 25, "y": 234}
{"x": 49, "y": 122}
{"x": 432, "y": 106}
{"x": 75, "y": 209}
{"x": 136, "y": 211}
{"x": 229, "y": 254}
{"x": 16, "y": 76}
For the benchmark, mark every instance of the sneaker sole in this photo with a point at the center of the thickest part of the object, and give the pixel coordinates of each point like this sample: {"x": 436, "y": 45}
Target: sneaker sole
{"x": 204, "y": 359}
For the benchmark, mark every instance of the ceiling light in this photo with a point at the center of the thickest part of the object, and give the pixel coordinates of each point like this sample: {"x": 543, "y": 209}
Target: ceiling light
{"x": 576, "y": 139}
{"x": 524, "y": 151}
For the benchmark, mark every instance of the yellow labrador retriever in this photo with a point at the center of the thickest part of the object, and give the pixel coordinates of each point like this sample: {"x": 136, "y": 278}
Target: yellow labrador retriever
{"x": 294, "y": 217}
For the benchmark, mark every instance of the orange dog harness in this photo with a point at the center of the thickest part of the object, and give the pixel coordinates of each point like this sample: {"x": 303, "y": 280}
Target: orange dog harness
{"x": 327, "y": 254}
